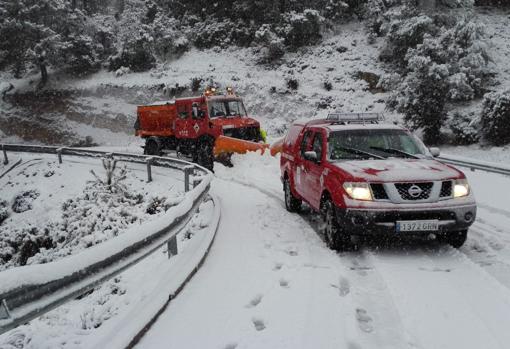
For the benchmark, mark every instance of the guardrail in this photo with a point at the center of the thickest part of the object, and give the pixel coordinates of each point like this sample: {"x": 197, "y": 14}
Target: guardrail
{"x": 30, "y": 291}
{"x": 475, "y": 165}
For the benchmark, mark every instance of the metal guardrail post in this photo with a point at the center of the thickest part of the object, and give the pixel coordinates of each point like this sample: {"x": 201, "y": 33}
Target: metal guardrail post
{"x": 172, "y": 247}
{"x": 4, "y": 311}
{"x": 59, "y": 154}
{"x": 188, "y": 171}
{"x": 6, "y": 159}
{"x": 149, "y": 169}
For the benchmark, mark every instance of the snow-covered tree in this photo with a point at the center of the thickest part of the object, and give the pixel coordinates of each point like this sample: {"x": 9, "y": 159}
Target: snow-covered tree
{"x": 422, "y": 97}
{"x": 45, "y": 32}
{"x": 495, "y": 119}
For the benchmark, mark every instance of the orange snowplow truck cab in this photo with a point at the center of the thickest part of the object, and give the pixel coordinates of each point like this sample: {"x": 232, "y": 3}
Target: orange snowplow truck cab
{"x": 192, "y": 126}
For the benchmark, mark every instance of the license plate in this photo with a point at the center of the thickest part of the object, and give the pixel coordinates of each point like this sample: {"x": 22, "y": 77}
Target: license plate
{"x": 430, "y": 225}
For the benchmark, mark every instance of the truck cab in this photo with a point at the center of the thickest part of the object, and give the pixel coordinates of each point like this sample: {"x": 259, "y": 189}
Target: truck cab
{"x": 191, "y": 125}
{"x": 368, "y": 178}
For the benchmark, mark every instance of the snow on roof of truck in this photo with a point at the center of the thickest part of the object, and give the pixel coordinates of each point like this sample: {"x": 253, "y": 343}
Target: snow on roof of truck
{"x": 336, "y": 126}
{"x": 162, "y": 102}
{"x": 340, "y": 127}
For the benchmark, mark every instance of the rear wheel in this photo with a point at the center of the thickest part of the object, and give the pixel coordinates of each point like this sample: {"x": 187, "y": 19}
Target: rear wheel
{"x": 455, "y": 238}
{"x": 336, "y": 238}
{"x": 292, "y": 204}
{"x": 152, "y": 148}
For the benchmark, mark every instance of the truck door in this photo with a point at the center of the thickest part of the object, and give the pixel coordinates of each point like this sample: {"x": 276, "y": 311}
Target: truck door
{"x": 300, "y": 176}
{"x": 313, "y": 172}
{"x": 199, "y": 119}
{"x": 182, "y": 124}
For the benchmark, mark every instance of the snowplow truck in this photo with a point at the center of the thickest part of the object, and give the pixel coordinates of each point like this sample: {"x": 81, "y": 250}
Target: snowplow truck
{"x": 202, "y": 127}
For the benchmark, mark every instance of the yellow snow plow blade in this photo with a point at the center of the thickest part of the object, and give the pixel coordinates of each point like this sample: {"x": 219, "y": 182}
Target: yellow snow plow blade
{"x": 226, "y": 144}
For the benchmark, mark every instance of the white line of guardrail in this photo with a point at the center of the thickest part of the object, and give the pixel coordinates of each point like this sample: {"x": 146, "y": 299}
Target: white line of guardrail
{"x": 475, "y": 165}
{"x": 29, "y": 291}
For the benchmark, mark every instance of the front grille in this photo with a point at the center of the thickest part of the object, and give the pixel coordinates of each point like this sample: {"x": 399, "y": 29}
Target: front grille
{"x": 405, "y": 190}
{"x": 378, "y": 191}
{"x": 245, "y": 133}
{"x": 446, "y": 189}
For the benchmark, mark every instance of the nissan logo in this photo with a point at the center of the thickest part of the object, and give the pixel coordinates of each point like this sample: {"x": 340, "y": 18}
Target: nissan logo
{"x": 415, "y": 191}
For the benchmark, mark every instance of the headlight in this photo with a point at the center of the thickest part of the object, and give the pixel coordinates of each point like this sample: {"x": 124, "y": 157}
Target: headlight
{"x": 358, "y": 191}
{"x": 460, "y": 188}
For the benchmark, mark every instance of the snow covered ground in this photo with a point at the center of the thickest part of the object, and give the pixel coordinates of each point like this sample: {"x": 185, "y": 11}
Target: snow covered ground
{"x": 271, "y": 282}
{"x": 51, "y": 210}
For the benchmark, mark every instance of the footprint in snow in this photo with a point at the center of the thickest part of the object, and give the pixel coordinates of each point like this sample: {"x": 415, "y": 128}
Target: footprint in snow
{"x": 364, "y": 320}
{"x": 255, "y": 301}
{"x": 258, "y": 324}
{"x": 231, "y": 346}
{"x": 352, "y": 345}
{"x": 292, "y": 252}
{"x": 447, "y": 270}
{"x": 343, "y": 287}
{"x": 361, "y": 269}
{"x": 278, "y": 266}
{"x": 284, "y": 283}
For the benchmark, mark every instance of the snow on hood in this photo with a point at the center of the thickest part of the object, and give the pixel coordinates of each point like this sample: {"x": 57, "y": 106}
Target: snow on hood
{"x": 392, "y": 170}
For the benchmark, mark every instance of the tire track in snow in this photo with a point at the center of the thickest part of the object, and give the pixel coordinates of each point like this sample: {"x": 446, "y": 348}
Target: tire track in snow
{"x": 464, "y": 308}
{"x": 485, "y": 249}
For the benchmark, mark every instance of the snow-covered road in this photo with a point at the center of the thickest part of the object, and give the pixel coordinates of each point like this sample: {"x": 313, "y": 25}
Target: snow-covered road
{"x": 271, "y": 282}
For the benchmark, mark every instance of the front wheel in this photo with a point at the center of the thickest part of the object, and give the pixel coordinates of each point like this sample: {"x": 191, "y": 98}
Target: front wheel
{"x": 205, "y": 156}
{"x": 336, "y": 237}
{"x": 292, "y": 204}
{"x": 455, "y": 238}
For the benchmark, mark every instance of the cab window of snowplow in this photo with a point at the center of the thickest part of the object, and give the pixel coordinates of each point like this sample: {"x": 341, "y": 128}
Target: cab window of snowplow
{"x": 226, "y": 108}
{"x": 182, "y": 111}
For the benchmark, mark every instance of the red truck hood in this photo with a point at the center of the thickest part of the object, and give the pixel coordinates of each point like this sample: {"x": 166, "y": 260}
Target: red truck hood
{"x": 398, "y": 170}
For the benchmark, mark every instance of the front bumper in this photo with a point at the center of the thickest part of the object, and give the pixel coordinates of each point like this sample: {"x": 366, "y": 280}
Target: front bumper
{"x": 383, "y": 221}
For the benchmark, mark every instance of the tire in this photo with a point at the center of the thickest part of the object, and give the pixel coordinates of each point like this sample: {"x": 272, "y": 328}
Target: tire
{"x": 336, "y": 238}
{"x": 152, "y": 148}
{"x": 292, "y": 204}
{"x": 455, "y": 238}
{"x": 205, "y": 156}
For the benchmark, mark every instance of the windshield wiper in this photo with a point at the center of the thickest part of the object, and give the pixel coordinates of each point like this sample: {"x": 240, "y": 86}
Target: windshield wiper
{"x": 396, "y": 152}
{"x": 358, "y": 152}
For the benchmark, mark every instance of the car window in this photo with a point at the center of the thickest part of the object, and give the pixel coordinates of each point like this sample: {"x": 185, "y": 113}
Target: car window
{"x": 317, "y": 145}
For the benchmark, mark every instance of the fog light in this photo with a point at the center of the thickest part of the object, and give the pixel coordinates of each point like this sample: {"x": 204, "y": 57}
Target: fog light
{"x": 468, "y": 217}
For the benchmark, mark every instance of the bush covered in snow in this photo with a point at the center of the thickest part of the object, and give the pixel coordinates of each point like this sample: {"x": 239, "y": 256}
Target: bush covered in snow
{"x": 422, "y": 97}
{"x": 464, "y": 129}
{"x": 495, "y": 119}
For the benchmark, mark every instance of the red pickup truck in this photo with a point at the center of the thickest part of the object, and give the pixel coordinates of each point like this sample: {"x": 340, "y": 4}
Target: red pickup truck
{"x": 368, "y": 178}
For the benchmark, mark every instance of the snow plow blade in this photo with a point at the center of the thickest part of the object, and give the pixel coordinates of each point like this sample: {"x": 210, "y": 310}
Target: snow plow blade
{"x": 226, "y": 144}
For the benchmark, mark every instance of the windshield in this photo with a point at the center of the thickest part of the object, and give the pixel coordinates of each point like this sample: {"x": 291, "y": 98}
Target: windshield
{"x": 374, "y": 144}
{"x": 226, "y": 108}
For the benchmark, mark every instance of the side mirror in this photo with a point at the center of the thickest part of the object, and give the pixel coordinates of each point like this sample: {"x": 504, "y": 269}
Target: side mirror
{"x": 311, "y": 156}
{"x": 183, "y": 115}
{"x": 435, "y": 152}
